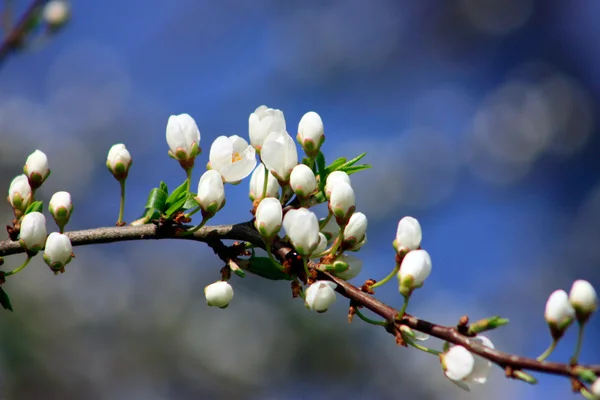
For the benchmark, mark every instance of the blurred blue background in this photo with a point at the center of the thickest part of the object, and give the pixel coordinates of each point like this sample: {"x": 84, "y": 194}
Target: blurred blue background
{"x": 478, "y": 116}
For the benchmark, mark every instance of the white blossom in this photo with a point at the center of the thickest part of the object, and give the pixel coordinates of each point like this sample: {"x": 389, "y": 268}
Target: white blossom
{"x": 269, "y": 217}
{"x": 56, "y": 13}
{"x": 257, "y": 181}
{"x": 463, "y": 367}
{"x": 279, "y": 154}
{"x": 262, "y": 122}
{"x": 415, "y": 268}
{"x": 211, "y": 193}
{"x": 57, "y": 252}
{"x": 311, "y": 133}
{"x": 33, "y": 231}
{"x": 118, "y": 161}
{"x": 19, "y": 193}
{"x": 303, "y": 181}
{"x": 302, "y": 227}
{"x": 232, "y": 157}
{"x": 183, "y": 138}
{"x": 218, "y": 294}
{"x": 320, "y": 295}
{"x": 408, "y": 235}
{"x": 333, "y": 179}
{"x": 36, "y": 168}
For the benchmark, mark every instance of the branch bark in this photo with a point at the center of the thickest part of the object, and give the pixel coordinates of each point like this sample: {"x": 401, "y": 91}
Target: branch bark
{"x": 246, "y": 232}
{"x": 13, "y": 39}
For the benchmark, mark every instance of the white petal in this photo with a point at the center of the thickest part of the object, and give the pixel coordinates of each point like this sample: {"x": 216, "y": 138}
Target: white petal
{"x": 482, "y": 367}
{"x": 458, "y": 363}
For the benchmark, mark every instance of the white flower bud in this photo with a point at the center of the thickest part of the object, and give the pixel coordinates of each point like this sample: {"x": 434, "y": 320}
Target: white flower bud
{"x": 320, "y": 247}
{"x": 342, "y": 202}
{"x": 19, "y": 194}
{"x": 36, "y": 168}
{"x": 232, "y": 157}
{"x": 218, "y": 294}
{"x": 408, "y": 235}
{"x": 211, "y": 193}
{"x": 356, "y": 230}
{"x": 302, "y": 227}
{"x": 183, "y": 138}
{"x": 257, "y": 181}
{"x": 263, "y": 121}
{"x": 118, "y": 161}
{"x": 311, "y": 133}
{"x": 463, "y": 367}
{"x": 415, "y": 268}
{"x": 60, "y": 208}
{"x": 559, "y": 313}
{"x": 333, "y": 179}
{"x": 320, "y": 295}
{"x": 354, "y": 267}
{"x": 57, "y": 13}
{"x": 57, "y": 252}
{"x": 279, "y": 154}
{"x": 33, "y": 232}
{"x": 303, "y": 181}
{"x": 269, "y": 217}
{"x": 596, "y": 388}
{"x": 584, "y": 300}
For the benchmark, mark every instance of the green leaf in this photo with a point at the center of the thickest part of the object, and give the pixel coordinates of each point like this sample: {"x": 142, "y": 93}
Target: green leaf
{"x": 5, "y": 300}
{"x": 264, "y": 267}
{"x": 190, "y": 202}
{"x": 354, "y": 168}
{"x": 321, "y": 170}
{"x": 355, "y": 160}
{"x": 163, "y": 186}
{"x": 177, "y": 195}
{"x": 36, "y": 206}
{"x": 157, "y": 200}
{"x": 335, "y": 165}
{"x": 487, "y": 324}
{"x": 175, "y": 207}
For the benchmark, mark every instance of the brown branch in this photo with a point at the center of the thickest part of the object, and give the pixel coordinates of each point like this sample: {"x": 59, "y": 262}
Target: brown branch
{"x": 246, "y": 232}
{"x": 14, "y": 38}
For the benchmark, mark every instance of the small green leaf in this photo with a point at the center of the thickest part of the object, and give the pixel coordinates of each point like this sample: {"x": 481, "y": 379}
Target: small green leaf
{"x": 587, "y": 375}
{"x": 264, "y": 267}
{"x": 190, "y": 202}
{"x": 354, "y": 168}
{"x": 175, "y": 207}
{"x": 355, "y": 160}
{"x": 5, "y": 300}
{"x": 335, "y": 165}
{"x": 177, "y": 195}
{"x": 36, "y": 206}
{"x": 487, "y": 324}
{"x": 525, "y": 377}
{"x": 239, "y": 272}
{"x": 163, "y": 186}
{"x": 157, "y": 199}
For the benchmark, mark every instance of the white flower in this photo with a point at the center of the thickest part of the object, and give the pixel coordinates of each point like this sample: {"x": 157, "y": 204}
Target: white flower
{"x": 19, "y": 193}
{"x": 60, "y": 208}
{"x": 596, "y": 388}
{"x": 303, "y": 181}
{"x": 559, "y": 313}
{"x": 36, "y": 168}
{"x": 56, "y": 13}
{"x": 263, "y": 121}
{"x": 211, "y": 193}
{"x": 342, "y": 202}
{"x": 218, "y": 294}
{"x": 320, "y": 295}
{"x": 333, "y": 179}
{"x": 302, "y": 227}
{"x": 57, "y": 252}
{"x": 320, "y": 247}
{"x": 583, "y": 298}
{"x": 408, "y": 235}
{"x": 310, "y": 133}
{"x": 354, "y": 267}
{"x": 33, "y": 231}
{"x": 257, "y": 181}
{"x": 279, "y": 154}
{"x": 183, "y": 138}
{"x": 118, "y": 161}
{"x": 464, "y": 369}
{"x": 356, "y": 230}
{"x": 268, "y": 217}
{"x": 415, "y": 268}
{"x": 232, "y": 157}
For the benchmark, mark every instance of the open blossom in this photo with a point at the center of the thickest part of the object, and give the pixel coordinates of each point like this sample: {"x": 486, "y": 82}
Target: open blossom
{"x": 232, "y": 157}
{"x": 302, "y": 227}
{"x": 257, "y": 181}
{"x": 183, "y": 138}
{"x": 311, "y": 133}
{"x": 19, "y": 193}
{"x": 279, "y": 154}
{"x": 118, "y": 161}
{"x": 583, "y": 298}
{"x": 269, "y": 216}
{"x": 320, "y": 295}
{"x": 57, "y": 252}
{"x": 559, "y": 313}
{"x": 262, "y": 122}
{"x": 333, "y": 179}
{"x": 33, "y": 231}
{"x": 303, "y": 181}
{"x": 211, "y": 193}
{"x": 218, "y": 294}
{"x": 415, "y": 268}
{"x": 408, "y": 235}
{"x": 463, "y": 367}
{"x": 36, "y": 168}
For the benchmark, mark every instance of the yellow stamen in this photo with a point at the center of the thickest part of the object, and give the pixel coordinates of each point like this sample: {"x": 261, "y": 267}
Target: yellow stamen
{"x": 235, "y": 157}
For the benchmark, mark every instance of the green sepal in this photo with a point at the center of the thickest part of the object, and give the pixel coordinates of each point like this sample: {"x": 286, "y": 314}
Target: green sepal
{"x": 487, "y": 324}
{"x": 36, "y": 206}
{"x": 177, "y": 195}
{"x": 264, "y": 267}
{"x": 5, "y": 300}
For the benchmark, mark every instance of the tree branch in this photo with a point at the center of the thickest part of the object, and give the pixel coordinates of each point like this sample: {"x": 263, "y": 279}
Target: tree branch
{"x": 246, "y": 232}
{"x": 13, "y": 39}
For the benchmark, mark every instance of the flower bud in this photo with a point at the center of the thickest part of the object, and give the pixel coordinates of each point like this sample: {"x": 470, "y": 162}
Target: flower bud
{"x": 303, "y": 181}
{"x": 263, "y": 121}
{"x": 408, "y": 235}
{"x": 269, "y": 217}
{"x": 353, "y": 268}
{"x": 320, "y": 295}
{"x": 356, "y": 230}
{"x": 415, "y": 268}
{"x": 57, "y": 13}
{"x": 302, "y": 227}
{"x": 342, "y": 203}
{"x": 559, "y": 313}
{"x": 36, "y": 169}
{"x": 19, "y": 194}
{"x": 211, "y": 193}
{"x": 60, "y": 208}
{"x": 232, "y": 157}
{"x": 57, "y": 252}
{"x": 595, "y": 389}
{"x": 279, "y": 154}
{"x": 257, "y": 181}
{"x": 33, "y": 232}
{"x": 310, "y": 133}
{"x": 118, "y": 161}
{"x": 584, "y": 300}
{"x": 333, "y": 179}
{"x": 218, "y": 294}
{"x": 183, "y": 138}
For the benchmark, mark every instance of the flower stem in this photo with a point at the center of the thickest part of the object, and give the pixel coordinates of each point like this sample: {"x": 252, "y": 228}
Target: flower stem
{"x": 271, "y": 257}
{"x": 420, "y": 347}
{"x": 337, "y": 242}
{"x": 369, "y": 320}
{"x": 188, "y": 172}
{"x": 387, "y": 278}
{"x": 265, "y": 183}
{"x": 575, "y": 356}
{"x": 194, "y": 211}
{"x": 305, "y": 267}
{"x": 404, "y": 307}
{"x": 586, "y": 394}
{"x": 19, "y": 268}
{"x": 122, "y": 205}
{"x": 548, "y": 351}
{"x": 196, "y": 228}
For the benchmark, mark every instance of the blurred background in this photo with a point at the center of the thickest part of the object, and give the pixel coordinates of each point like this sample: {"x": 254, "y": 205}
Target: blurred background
{"x": 478, "y": 116}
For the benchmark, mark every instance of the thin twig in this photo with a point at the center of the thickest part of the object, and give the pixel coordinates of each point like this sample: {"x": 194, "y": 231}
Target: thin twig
{"x": 14, "y": 38}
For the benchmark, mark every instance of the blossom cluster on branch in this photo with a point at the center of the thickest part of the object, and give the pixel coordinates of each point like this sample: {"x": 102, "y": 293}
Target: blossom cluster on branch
{"x": 313, "y": 253}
